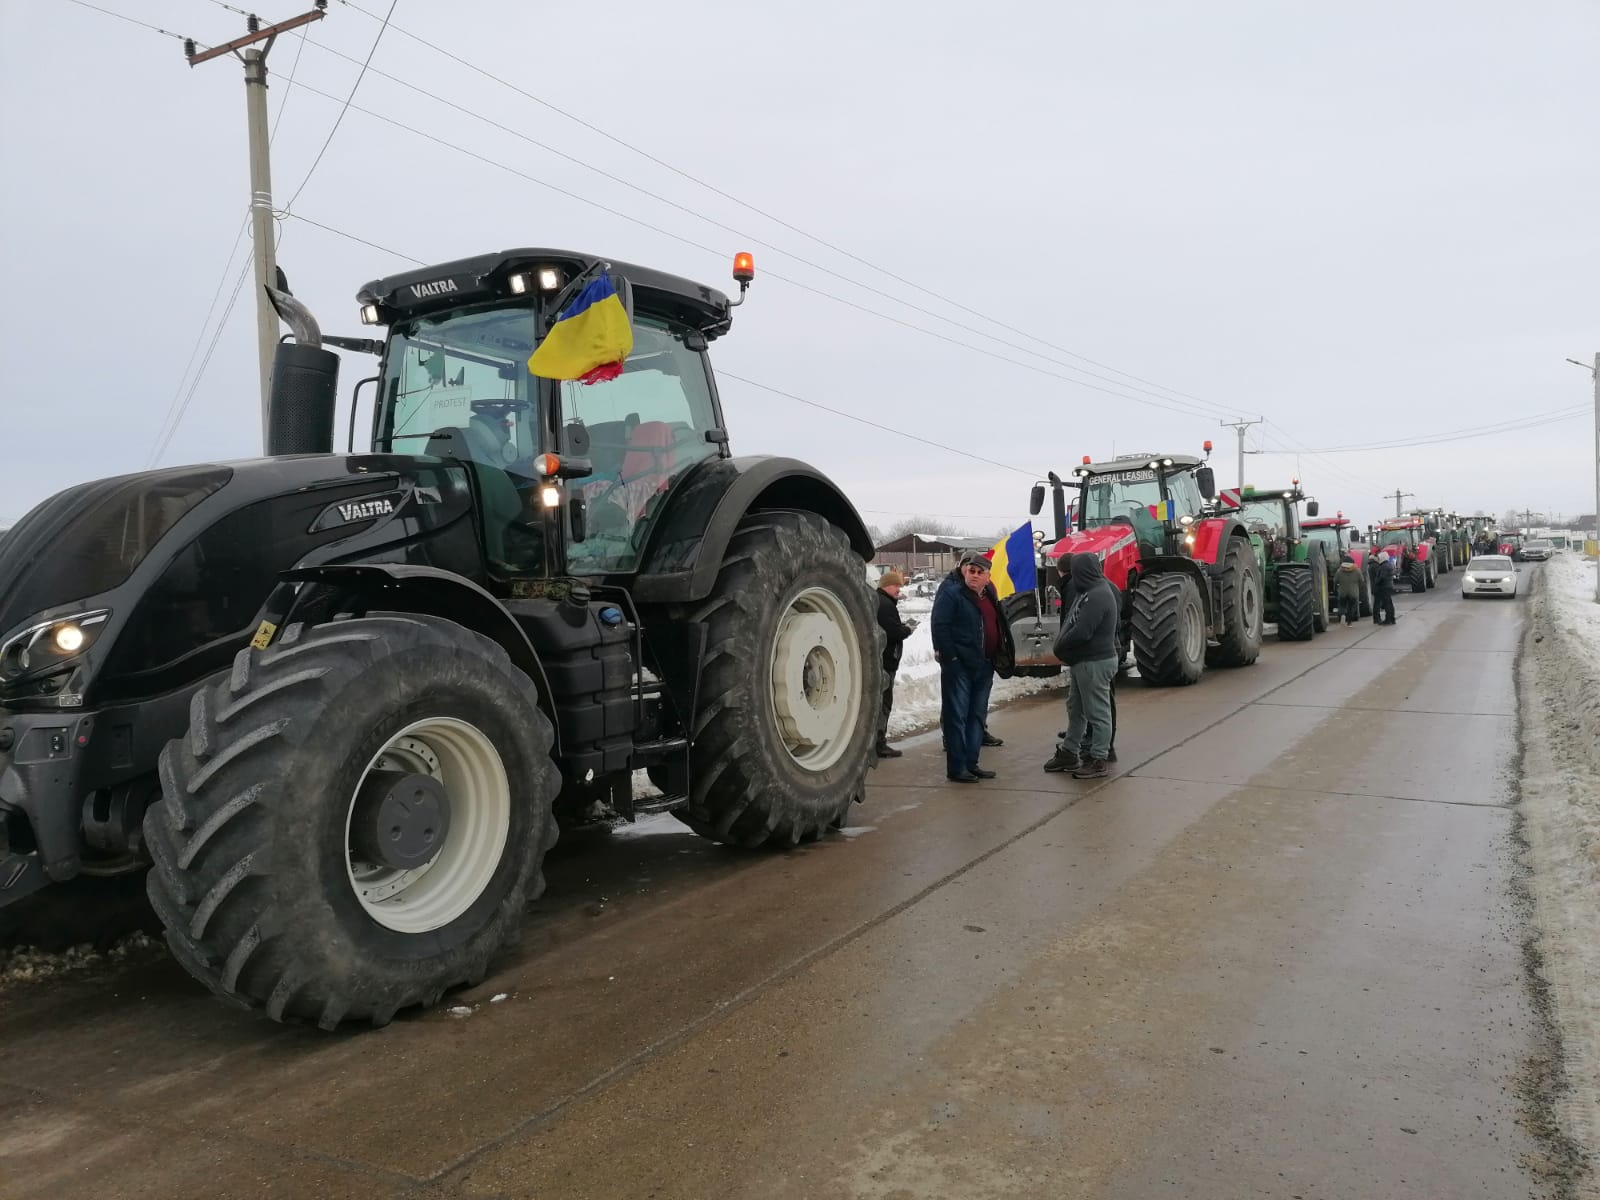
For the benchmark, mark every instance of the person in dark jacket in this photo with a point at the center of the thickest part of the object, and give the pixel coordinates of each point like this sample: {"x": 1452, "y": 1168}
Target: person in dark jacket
{"x": 1382, "y": 588}
{"x": 1348, "y": 578}
{"x": 895, "y": 633}
{"x": 971, "y": 640}
{"x": 1067, "y": 757}
{"x": 1087, "y": 647}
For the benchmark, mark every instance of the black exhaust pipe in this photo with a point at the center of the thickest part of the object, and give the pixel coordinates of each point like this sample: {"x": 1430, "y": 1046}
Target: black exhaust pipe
{"x": 305, "y": 385}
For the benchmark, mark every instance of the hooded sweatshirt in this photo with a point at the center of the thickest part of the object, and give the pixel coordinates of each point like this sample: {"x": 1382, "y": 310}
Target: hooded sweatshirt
{"x": 1089, "y": 632}
{"x": 1349, "y": 579}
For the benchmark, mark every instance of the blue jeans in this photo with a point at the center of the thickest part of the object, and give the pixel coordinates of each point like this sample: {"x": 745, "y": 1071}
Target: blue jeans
{"x": 964, "y": 692}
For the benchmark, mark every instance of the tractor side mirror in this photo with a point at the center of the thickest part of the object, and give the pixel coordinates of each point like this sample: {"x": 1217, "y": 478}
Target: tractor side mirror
{"x": 1036, "y": 500}
{"x": 1207, "y": 479}
{"x": 1312, "y": 508}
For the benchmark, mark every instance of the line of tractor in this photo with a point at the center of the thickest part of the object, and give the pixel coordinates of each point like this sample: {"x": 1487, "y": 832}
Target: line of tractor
{"x": 1203, "y": 571}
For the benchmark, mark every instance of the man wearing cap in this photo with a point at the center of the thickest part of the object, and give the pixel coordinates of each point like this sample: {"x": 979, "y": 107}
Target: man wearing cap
{"x": 895, "y": 633}
{"x": 969, "y": 636}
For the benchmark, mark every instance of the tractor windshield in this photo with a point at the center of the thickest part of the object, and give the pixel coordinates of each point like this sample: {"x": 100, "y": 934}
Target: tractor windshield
{"x": 1328, "y": 535}
{"x": 1107, "y": 498}
{"x": 1125, "y": 497}
{"x": 457, "y": 386}
{"x": 1266, "y": 517}
{"x": 1396, "y": 537}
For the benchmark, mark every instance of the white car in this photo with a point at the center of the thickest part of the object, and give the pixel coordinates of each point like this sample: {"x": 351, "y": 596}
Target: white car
{"x": 1489, "y": 575}
{"x": 1537, "y": 550}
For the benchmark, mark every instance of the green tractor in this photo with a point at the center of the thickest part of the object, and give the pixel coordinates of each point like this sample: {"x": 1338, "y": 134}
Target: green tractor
{"x": 1299, "y": 570}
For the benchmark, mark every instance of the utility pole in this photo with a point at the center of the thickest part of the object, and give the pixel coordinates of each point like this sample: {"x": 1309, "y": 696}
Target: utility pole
{"x": 1398, "y": 496}
{"x": 1239, "y": 427}
{"x": 1595, "y": 371}
{"x": 262, "y": 233}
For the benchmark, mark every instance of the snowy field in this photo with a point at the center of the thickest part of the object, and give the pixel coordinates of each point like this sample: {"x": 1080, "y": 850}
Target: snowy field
{"x": 916, "y": 687}
{"x": 1559, "y": 692}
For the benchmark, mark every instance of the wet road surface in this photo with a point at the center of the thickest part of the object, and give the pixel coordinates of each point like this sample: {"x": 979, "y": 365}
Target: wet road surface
{"x": 1278, "y": 954}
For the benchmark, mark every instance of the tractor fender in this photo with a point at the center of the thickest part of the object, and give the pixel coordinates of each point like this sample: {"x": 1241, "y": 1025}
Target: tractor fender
{"x": 687, "y": 546}
{"x": 1211, "y": 541}
{"x": 1161, "y": 564}
{"x": 427, "y": 591}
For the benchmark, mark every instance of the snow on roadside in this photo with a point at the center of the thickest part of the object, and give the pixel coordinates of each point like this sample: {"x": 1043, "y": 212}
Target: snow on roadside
{"x": 916, "y": 687}
{"x": 1560, "y": 702}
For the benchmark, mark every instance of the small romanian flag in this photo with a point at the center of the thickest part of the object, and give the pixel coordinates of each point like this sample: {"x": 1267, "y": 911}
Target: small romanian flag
{"x": 1162, "y": 511}
{"x": 1011, "y": 566}
{"x": 590, "y": 339}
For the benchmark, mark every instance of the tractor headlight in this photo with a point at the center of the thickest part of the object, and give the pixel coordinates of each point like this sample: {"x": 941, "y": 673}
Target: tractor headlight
{"x": 49, "y": 644}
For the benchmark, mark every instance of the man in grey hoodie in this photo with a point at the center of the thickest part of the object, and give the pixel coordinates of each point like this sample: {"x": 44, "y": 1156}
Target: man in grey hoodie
{"x": 1087, "y": 646}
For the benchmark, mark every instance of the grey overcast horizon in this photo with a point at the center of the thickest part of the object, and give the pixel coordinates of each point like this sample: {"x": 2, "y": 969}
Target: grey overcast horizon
{"x": 1367, "y": 222}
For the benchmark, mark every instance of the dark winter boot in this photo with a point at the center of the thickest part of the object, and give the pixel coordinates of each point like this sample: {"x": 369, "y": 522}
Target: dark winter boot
{"x": 989, "y": 739}
{"x": 1093, "y": 768}
{"x": 887, "y": 751}
{"x": 1062, "y": 760}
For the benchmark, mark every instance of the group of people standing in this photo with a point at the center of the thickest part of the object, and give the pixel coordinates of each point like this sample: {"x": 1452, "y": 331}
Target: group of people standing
{"x": 972, "y": 644}
{"x": 1380, "y": 582}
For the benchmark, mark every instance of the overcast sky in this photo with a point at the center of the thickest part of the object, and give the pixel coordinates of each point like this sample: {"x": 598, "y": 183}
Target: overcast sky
{"x": 1365, "y": 221}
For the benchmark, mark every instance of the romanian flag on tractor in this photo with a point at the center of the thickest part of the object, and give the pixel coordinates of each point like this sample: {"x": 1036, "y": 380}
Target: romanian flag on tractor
{"x": 1011, "y": 566}
{"x": 590, "y": 338}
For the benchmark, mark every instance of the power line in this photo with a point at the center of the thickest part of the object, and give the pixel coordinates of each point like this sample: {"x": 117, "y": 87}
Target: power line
{"x": 352, "y": 237}
{"x": 194, "y": 386}
{"x": 759, "y": 241}
{"x": 1515, "y": 425}
{"x": 337, "y": 121}
{"x": 1214, "y": 409}
{"x": 711, "y": 250}
{"x": 849, "y": 416}
{"x": 134, "y": 21}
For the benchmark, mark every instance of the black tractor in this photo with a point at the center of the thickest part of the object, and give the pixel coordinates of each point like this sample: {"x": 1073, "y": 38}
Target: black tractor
{"x": 339, "y": 705}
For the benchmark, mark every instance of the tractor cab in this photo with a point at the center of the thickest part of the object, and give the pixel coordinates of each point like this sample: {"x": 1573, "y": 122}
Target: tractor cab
{"x": 1406, "y": 540}
{"x": 572, "y": 476}
{"x": 1275, "y": 514}
{"x": 1156, "y": 496}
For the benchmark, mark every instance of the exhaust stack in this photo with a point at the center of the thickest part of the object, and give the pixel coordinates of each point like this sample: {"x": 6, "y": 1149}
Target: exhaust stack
{"x": 305, "y": 384}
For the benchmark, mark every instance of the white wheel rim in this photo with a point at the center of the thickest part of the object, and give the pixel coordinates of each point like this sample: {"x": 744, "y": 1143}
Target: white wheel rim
{"x": 428, "y": 897}
{"x": 816, "y": 678}
{"x": 1194, "y": 637}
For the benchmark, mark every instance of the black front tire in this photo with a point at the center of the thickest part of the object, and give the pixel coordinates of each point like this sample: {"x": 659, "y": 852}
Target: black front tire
{"x": 1243, "y": 607}
{"x": 253, "y": 873}
{"x": 1169, "y": 630}
{"x": 1297, "y": 603}
{"x": 746, "y": 786}
{"x": 1419, "y": 578}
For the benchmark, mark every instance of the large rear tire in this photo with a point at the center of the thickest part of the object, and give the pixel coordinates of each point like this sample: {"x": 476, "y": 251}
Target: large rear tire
{"x": 270, "y": 869}
{"x": 1243, "y": 607}
{"x": 786, "y": 724}
{"x": 1419, "y": 578}
{"x": 1169, "y": 630}
{"x": 1297, "y": 603}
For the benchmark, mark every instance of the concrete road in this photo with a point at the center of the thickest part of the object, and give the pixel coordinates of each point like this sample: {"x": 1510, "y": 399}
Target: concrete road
{"x": 1279, "y": 954}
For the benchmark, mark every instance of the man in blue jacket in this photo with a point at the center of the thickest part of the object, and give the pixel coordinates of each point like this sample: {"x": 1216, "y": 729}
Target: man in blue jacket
{"x": 1087, "y": 647}
{"x": 969, "y": 636}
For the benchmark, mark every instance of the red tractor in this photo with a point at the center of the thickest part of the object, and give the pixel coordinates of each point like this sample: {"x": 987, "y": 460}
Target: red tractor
{"x": 1341, "y": 537}
{"x": 1407, "y": 542}
{"x": 1191, "y": 584}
